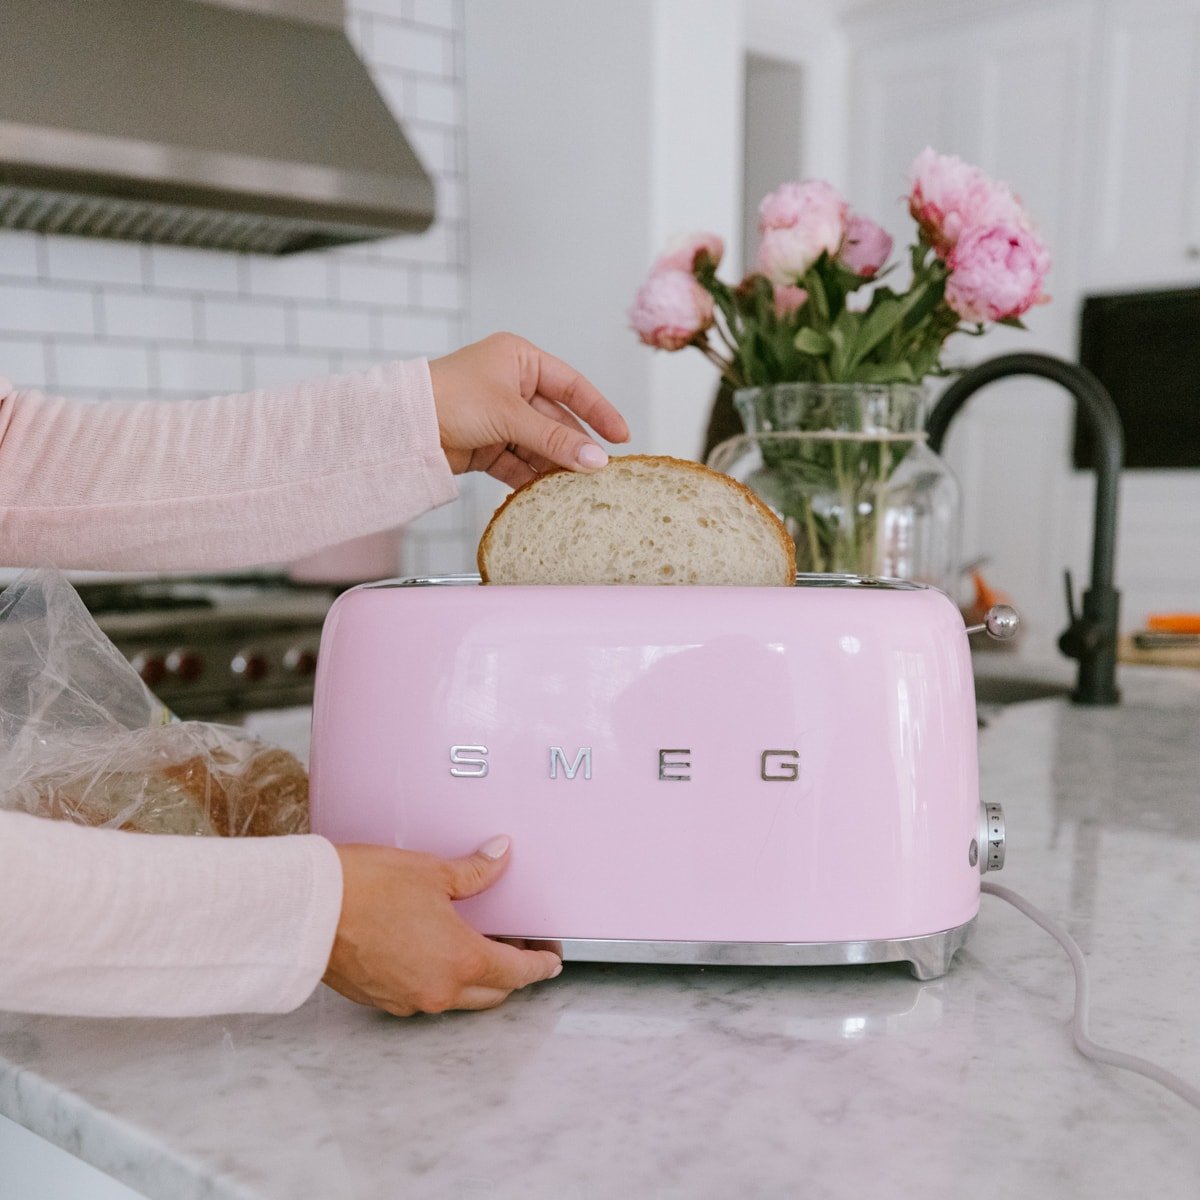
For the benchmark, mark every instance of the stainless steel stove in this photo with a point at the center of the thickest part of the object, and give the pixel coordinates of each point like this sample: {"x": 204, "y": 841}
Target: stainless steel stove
{"x": 216, "y": 646}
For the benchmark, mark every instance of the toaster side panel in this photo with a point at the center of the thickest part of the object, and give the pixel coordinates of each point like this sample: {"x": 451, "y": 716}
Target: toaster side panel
{"x": 720, "y": 764}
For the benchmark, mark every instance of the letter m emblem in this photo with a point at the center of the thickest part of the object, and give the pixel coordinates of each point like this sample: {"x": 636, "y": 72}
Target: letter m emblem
{"x": 558, "y": 759}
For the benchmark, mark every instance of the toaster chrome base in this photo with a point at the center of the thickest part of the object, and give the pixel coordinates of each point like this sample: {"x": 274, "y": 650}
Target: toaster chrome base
{"x": 928, "y": 956}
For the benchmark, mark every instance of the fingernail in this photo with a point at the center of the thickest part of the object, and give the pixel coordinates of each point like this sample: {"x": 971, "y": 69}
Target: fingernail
{"x": 495, "y": 847}
{"x": 590, "y": 455}
{"x": 556, "y": 972}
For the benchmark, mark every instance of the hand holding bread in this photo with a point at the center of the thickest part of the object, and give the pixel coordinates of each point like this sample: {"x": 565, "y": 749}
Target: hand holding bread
{"x": 510, "y": 409}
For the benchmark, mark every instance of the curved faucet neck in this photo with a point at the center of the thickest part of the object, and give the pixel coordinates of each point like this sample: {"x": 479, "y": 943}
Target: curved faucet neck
{"x": 1091, "y": 636}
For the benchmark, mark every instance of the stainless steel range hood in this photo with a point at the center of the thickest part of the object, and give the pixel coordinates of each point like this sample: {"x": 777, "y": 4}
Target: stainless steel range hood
{"x": 235, "y": 124}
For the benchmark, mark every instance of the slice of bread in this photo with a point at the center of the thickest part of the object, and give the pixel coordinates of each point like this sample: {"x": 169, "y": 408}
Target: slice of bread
{"x": 640, "y": 520}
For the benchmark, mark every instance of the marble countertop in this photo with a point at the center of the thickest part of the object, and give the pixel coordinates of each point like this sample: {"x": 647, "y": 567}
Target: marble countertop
{"x": 689, "y": 1081}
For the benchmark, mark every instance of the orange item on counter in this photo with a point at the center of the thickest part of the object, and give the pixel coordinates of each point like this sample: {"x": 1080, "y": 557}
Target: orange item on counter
{"x": 985, "y": 597}
{"x": 1174, "y": 622}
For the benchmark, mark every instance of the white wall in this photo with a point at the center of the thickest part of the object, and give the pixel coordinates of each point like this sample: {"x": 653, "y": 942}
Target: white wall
{"x": 594, "y": 131}
{"x": 810, "y": 34}
{"x": 95, "y": 319}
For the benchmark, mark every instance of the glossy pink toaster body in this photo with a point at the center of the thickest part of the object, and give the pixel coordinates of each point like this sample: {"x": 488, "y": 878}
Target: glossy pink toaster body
{"x": 758, "y": 775}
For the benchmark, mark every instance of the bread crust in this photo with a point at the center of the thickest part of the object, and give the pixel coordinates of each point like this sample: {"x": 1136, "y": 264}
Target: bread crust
{"x": 777, "y": 526}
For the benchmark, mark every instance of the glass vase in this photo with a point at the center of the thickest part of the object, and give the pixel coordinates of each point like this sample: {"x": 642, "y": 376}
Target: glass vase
{"x": 847, "y": 468}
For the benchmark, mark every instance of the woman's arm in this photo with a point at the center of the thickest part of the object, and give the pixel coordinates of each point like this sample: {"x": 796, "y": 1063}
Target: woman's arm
{"x": 210, "y": 484}
{"x": 270, "y": 476}
{"x": 99, "y": 923}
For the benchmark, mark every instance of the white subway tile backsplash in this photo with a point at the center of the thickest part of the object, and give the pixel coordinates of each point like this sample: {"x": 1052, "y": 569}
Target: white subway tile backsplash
{"x": 438, "y": 288}
{"x": 438, "y": 245}
{"x": 18, "y": 254}
{"x": 399, "y": 46}
{"x": 446, "y": 519}
{"x": 272, "y": 369}
{"x": 442, "y": 14}
{"x": 294, "y": 276}
{"x": 437, "y": 100}
{"x": 333, "y": 328}
{"x": 391, "y": 85}
{"x": 93, "y": 260}
{"x": 451, "y": 204}
{"x": 479, "y": 497}
{"x": 435, "y": 146}
{"x": 96, "y": 366}
{"x": 419, "y": 334}
{"x": 194, "y": 270}
{"x": 243, "y": 323}
{"x": 33, "y": 308}
{"x": 351, "y": 364}
{"x": 23, "y": 361}
{"x": 201, "y": 372}
{"x": 447, "y": 554}
{"x": 367, "y": 282}
{"x": 383, "y": 8}
{"x": 149, "y": 316}
{"x": 359, "y": 30}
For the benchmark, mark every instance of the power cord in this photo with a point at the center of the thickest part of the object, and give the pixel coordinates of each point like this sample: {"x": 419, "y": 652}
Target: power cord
{"x": 1083, "y": 1043}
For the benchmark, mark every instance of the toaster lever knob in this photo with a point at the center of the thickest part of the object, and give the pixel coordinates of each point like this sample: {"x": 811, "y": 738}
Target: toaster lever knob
{"x": 991, "y": 838}
{"x": 1001, "y": 623}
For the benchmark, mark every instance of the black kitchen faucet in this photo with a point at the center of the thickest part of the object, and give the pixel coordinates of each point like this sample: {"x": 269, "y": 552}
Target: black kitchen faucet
{"x": 1091, "y": 636}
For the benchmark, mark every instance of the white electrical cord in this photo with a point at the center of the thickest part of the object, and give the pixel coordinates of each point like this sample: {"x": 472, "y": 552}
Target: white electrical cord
{"x": 1083, "y": 1043}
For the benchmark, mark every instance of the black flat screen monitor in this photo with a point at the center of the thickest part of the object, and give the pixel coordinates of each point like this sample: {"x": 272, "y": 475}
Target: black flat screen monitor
{"x": 1145, "y": 348}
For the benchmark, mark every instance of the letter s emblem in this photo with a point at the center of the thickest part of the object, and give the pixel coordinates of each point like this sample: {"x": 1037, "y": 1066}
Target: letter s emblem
{"x": 469, "y": 762}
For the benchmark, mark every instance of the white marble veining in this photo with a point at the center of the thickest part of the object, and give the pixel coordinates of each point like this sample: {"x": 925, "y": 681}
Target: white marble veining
{"x": 695, "y": 1082}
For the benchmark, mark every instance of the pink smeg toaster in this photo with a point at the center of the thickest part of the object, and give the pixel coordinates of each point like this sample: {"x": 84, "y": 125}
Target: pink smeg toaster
{"x": 688, "y": 774}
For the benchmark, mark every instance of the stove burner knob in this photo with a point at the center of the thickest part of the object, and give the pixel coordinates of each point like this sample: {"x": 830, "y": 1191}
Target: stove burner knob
{"x": 185, "y": 664}
{"x": 300, "y": 660}
{"x": 250, "y": 665}
{"x": 149, "y": 666}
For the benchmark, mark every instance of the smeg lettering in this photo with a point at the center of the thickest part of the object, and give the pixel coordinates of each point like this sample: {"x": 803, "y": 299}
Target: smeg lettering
{"x": 674, "y": 764}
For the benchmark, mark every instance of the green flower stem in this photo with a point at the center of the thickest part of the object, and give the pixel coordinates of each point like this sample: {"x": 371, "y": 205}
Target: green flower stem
{"x": 814, "y": 542}
{"x": 726, "y": 337}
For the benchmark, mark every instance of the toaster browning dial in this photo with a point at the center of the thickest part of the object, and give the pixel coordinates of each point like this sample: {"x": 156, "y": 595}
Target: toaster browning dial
{"x": 991, "y": 839}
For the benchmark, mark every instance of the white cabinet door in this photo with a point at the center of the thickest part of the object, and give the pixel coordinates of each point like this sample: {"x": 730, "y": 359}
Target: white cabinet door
{"x": 1146, "y": 138}
{"x": 1004, "y": 88}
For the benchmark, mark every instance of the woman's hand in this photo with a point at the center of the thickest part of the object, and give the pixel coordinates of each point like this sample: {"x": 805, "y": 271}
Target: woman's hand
{"x": 401, "y": 946}
{"x": 505, "y": 407}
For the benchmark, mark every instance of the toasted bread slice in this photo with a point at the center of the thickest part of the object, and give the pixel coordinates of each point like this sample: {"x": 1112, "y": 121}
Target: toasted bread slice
{"x": 643, "y": 519}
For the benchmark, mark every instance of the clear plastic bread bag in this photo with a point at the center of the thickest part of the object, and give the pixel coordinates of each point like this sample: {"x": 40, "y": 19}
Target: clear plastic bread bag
{"x": 83, "y": 739}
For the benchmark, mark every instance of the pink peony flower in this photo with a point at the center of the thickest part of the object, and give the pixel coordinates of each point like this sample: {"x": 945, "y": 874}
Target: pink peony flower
{"x": 799, "y": 223}
{"x": 997, "y": 271}
{"x": 670, "y": 309}
{"x": 949, "y": 196}
{"x": 812, "y": 202}
{"x": 866, "y": 247}
{"x": 682, "y": 252}
{"x": 785, "y": 254}
{"x": 789, "y": 300}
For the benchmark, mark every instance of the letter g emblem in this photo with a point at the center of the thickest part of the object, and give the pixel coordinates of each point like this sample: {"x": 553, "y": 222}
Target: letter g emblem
{"x": 780, "y": 766}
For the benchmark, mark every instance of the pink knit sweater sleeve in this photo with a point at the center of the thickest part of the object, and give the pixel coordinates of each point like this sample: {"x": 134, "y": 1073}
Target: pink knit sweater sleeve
{"x": 103, "y": 923}
{"x": 212, "y": 484}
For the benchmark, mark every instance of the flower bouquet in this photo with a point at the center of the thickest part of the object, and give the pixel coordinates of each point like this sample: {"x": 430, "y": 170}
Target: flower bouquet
{"x": 827, "y": 358}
